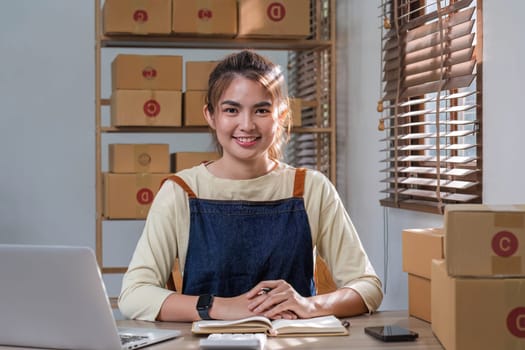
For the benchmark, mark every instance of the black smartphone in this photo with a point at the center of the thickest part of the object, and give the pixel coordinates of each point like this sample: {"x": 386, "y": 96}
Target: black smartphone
{"x": 391, "y": 333}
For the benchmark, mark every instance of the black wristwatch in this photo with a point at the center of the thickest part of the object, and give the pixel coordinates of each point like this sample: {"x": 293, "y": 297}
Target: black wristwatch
{"x": 204, "y": 305}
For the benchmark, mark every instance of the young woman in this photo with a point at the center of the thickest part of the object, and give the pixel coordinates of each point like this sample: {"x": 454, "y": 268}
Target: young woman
{"x": 245, "y": 227}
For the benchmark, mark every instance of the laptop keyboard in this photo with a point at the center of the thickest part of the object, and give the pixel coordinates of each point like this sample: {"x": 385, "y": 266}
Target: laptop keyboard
{"x": 128, "y": 338}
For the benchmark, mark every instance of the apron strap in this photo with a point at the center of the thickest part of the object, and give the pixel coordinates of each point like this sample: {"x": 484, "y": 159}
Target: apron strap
{"x": 298, "y": 185}
{"x": 182, "y": 184}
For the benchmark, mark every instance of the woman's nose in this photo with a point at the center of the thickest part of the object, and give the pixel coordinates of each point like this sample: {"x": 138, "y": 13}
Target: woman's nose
{"x": 247, "y": 122}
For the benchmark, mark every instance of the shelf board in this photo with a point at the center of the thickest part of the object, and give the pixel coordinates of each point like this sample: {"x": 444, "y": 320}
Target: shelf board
{"x": 127, "y": 219}
{"x": 154, "y": 129}
{"x": 156, "y": 41}
{"x": 304, "y": 103}
{"x": 114, "y": 269}
{"x": 194, "y": 129}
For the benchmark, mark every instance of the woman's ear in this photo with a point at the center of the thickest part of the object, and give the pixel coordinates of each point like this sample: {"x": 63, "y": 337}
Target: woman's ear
{"x": 209, "y": 117}
{"x": 284, "y": 115}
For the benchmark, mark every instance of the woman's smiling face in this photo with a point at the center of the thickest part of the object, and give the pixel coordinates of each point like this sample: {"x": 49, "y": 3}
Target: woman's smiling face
{"x": 245, "y": 120}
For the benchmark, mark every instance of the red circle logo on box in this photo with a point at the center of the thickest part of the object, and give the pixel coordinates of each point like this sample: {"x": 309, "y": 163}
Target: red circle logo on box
{"x": 516, "y": 322}
{"x": 504, "y": 243}
{"x": 205, "y": 14}
{"x": 140, "y": 16}
{"x": 144, "y": 196}
{"x": 276, "y": 11}
{"x": 149, "y": 73}
{"x": 151, "y": 108}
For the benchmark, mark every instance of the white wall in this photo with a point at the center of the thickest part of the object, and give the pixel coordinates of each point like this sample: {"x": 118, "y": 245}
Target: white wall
{"x": 358, "y": 146}
{"x": 47, "y": 139}
{"x": 47, "y": 179}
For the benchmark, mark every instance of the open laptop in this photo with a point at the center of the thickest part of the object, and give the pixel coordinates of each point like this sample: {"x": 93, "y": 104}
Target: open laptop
{"x": 54, "y": 297}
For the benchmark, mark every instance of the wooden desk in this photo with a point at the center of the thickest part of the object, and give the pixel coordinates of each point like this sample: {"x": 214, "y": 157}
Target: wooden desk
{"x": 356, "y": 340}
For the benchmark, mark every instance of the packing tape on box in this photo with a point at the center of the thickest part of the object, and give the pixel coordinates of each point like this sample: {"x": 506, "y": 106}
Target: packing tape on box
{"x": 144, "y": 194}
{"x": 205, "y": 17}
{"x": 150, "y": 72}
{"x": 142, "y": 158}
{"x": 506, "y": 266}
{"x": 152, "y": 108}
{"x": 509, "y": 219}
{"x": 502, "y": 208}
{"x": 514, "y": 314}
{"x": 140, "y": 16}
{"x": 506, "y": 242}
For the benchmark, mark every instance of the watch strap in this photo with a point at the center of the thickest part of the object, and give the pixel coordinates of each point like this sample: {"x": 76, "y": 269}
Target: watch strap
{"x": 204, "y": 310}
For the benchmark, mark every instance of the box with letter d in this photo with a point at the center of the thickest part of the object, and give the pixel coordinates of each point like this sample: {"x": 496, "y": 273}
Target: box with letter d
{"x": 286, "y": 19}
{"x": 129, "y": 196}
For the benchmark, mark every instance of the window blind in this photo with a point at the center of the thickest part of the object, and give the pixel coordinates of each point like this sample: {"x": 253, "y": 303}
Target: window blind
{"x": 431, "y": 103}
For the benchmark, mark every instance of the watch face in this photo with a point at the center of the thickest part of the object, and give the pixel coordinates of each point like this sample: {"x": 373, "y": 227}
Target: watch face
{"x": 204, "y": 301}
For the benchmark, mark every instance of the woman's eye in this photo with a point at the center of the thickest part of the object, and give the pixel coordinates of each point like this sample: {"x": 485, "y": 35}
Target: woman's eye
{"x": 230, "y": 110}
{"x": 263, "y": 111}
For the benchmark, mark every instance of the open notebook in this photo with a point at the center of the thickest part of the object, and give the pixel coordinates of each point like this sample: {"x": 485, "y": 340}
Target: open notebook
{"x": 54, "y": 297}
{"x": 317, "y": 326}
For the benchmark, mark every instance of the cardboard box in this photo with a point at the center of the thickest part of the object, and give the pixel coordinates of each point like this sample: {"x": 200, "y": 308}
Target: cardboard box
{"x": 129, "y": 196}
{"x": 146, "y": 72}
{"x": 139, "y": 158}
{"x": 296, "y": 110}
{"x": 186, "y": 160}
{"x": 493, "y": 237}
{"x": 146, "y": 108}
{"x": 192, "y": 108}
{"x": 285, "y": 19}
{"x": 419, "y": 247}
{"x": 140, "y": 17}
{"x": 198, "y": 73}
{"x": 205, "y": 17}
{"x": 477, "y": 313}
{"x": 419, "y": 298}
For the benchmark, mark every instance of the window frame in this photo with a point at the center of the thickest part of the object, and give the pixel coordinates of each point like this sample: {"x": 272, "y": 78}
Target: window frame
{"x": 396, "y": 186}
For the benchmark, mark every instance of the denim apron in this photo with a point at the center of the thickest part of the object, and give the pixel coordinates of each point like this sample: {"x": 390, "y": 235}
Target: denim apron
{"x": 233, "y": 245}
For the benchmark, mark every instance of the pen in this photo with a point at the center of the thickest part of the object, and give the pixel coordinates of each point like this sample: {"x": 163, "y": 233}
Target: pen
{"x": 264, "y": 290}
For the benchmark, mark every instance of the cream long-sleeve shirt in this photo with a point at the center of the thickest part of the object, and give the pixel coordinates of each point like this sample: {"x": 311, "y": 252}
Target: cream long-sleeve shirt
{"x": 166, "y": 233}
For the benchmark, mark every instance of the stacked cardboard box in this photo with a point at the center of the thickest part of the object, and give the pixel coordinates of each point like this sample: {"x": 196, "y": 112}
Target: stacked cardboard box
{"x": 478, "y": 291}
{"x": 283, "y": 19}
{"x": 138, "y": 17}
{"x": 196, "y": 81}
{"x": 286, "y": 19}
{"x": 185, "y": 160}
{"x": 135, "y": 174}
{"x": 420, "y": 247}
{"x": 146, "y": 90}
{"x": 204, "y": 17}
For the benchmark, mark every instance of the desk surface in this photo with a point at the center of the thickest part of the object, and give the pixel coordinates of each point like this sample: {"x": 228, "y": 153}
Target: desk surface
{"x": 356, "y": 340}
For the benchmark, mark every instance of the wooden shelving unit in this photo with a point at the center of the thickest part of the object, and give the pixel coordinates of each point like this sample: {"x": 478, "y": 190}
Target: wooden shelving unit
{"x": 311, "y": 77}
